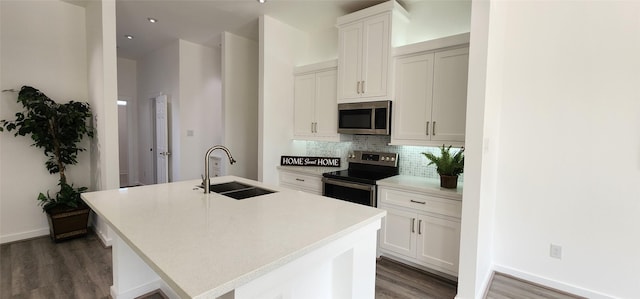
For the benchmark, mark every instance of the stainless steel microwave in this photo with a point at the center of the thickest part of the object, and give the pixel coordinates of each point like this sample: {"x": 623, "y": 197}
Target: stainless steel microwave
{"x": 367, "y": 118}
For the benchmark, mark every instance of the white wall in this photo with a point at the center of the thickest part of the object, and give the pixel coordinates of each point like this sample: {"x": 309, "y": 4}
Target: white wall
{"x": 200, "y": 106}
{"x": 435, "y": 19}
{"x": 128, "y": 90}
{"x": 569, "y": 144}
{"x": 51, "y": 56}
{"x": 158, "y": 73}
{"x": 279, "y": 53}
{"x": 103, "y": 95}
{"x": 240, "y": 103}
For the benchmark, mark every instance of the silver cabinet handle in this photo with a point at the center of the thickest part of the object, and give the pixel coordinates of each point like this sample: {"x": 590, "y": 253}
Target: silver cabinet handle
{"x": 315, "y": 127}
{"x": 427, "y": 129}
{"x": 413, "y": 225}
{"x": 420, "y": 202}
{"x": 363, "y": 87}
{"x": 420, "y": 227}
{"x": 299, "y": 180}
{"x": 434, "y": 128}
{"x": 311, "y": 127}
{"x": 358, "y": 88}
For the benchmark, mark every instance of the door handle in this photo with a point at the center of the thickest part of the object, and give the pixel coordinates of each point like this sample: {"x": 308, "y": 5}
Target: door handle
{"x": 420, "y": 202}
{"x": 358, "y": 87}
{"x": 363, "y": 87}
{"x": 413, "y": 225}
{"x": 420, "y": 227}
{"x": 427, "y": 129}
{"x": 433, "y": 128}
{"x": 299, "y": 180}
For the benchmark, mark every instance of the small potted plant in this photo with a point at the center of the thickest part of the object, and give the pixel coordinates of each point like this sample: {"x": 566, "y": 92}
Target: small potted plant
{"x": 448, "y": 166}
{"x": 58, "y": 130}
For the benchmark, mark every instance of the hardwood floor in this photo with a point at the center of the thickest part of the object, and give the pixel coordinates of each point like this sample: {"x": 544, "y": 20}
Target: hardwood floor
{"x": 506, "y": 286}
{"x": 81, "y": 268}
{"x": 39, "y": 268}
{"x": 396, "y": 280}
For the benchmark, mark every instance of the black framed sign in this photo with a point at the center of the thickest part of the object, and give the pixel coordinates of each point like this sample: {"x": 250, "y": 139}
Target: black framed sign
{"x": 309, "y": 161}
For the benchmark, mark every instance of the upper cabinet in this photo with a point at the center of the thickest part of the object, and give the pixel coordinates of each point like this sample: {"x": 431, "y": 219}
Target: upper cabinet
{"x": 430, "y": 92}
{"x": 315, "y": 107}
{"x": 364, "y": 49}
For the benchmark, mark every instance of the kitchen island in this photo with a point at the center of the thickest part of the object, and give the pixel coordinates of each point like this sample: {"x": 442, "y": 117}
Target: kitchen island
{"x": 287, "y": 244}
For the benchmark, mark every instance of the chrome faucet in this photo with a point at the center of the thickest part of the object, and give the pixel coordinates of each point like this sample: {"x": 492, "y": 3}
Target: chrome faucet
{"x": 206, "y": 180}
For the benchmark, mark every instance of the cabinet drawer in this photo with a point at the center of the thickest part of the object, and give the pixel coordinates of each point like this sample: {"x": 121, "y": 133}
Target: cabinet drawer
{"x": 421, "y": 202}
{"x": 303, "y": 182}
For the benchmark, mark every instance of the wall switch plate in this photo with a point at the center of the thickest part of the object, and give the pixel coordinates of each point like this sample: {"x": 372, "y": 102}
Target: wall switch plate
{"x": 555, "y": 251}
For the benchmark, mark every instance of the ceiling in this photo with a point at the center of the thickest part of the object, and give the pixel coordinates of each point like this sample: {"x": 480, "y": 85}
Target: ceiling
{"x": 203, "y": 21}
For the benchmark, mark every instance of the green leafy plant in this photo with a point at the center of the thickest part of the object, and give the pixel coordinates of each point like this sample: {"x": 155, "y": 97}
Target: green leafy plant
{"x": 447, "y": 163}
{"x": 58, "y": 129}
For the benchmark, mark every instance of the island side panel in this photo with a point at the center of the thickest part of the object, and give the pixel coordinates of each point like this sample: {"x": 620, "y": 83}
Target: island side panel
{"x": 132, "y": 277}
{"x": 344, "y": 268}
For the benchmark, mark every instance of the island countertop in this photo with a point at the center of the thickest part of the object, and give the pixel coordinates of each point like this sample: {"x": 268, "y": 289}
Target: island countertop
{"x": 204, "y": 245}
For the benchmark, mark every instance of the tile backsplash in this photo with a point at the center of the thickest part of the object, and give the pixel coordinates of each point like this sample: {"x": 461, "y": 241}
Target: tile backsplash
{"x": 412, "y": 162}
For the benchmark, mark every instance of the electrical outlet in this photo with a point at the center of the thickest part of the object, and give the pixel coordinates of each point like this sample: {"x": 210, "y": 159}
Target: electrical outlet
{"x": 555, "y": 251}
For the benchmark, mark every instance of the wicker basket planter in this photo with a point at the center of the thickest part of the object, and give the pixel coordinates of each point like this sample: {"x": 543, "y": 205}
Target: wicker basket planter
{"x": 67, "y": 224}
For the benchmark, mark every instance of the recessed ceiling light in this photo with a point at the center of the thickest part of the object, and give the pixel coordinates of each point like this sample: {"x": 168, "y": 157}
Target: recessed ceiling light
{"x": 129, "y": 36}
{"x": 152, "y": 20}
{"x": 262, "y": 1}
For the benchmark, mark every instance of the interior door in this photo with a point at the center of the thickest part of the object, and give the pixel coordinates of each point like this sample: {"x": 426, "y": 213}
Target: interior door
{"x": 162, "y": 140}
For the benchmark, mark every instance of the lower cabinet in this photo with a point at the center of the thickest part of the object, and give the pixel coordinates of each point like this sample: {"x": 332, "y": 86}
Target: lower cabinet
{"x": 418, "y": 235}
{"x": 301, "y": 181}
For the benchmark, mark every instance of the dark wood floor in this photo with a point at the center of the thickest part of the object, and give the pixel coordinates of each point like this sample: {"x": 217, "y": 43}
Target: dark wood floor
{"x": 506, "y": 287}
{"x": 396, "y": 280}
{"x": 81, "y": 268}
{"x": 39, "y": 268}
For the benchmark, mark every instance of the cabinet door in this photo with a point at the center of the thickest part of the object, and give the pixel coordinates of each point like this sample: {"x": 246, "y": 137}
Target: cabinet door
{"x": 450, "y": 95}
{"x": 375, "y": 56}
{"x": 304, "y": 99}
{"x": 439, "y": 243}
{"x": 413, "y": 97}
{"x": 349, "y": 61}
{"x": 398, "y": 232}
{"x": 326, "y": 107}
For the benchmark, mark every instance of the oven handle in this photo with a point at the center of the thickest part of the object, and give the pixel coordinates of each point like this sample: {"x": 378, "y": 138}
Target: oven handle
{"x": 349, "y": 184}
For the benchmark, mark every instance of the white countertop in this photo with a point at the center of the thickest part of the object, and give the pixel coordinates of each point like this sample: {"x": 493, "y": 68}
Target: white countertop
{"x": 422, "y": 184}
{"x": 209, "y": 244}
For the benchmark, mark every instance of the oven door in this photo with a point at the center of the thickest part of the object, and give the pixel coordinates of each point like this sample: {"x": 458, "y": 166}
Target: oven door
{"x": 364, "y": 194}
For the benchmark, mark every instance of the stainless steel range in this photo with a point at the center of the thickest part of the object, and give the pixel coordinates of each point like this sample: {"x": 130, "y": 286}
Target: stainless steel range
{"x": 358, "y": 183}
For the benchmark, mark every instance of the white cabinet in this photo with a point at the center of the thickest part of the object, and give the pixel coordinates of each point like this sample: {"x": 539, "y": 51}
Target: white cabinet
{"x": 421, "y": 229}
{"x": 364, "y": 47}
{"x": 430, "y": 97}
{"x": 315, "y": 107}
{"x": 297, "y": 180}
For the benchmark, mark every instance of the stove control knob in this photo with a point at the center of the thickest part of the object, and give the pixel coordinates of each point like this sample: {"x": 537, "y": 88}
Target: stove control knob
{"x": 393, "y": 159}
{"x": 385, "y": 158}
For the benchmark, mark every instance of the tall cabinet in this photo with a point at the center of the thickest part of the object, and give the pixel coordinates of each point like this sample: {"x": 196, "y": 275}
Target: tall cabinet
{"x": 364, "y": 47}
{"x": 430, "y": 97}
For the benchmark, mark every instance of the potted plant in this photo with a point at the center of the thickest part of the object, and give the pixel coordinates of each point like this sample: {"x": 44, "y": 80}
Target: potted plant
{"x": 58, "y": 130}
{"x": 448, "y": 166}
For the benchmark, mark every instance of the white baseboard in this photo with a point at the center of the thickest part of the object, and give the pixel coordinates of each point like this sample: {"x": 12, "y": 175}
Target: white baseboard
{"x": 24, "y": 235}
{"x": 558, "y": 285}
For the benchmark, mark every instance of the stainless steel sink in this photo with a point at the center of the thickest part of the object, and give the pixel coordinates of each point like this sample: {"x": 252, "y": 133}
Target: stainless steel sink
{"x": 238, "y": 190}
